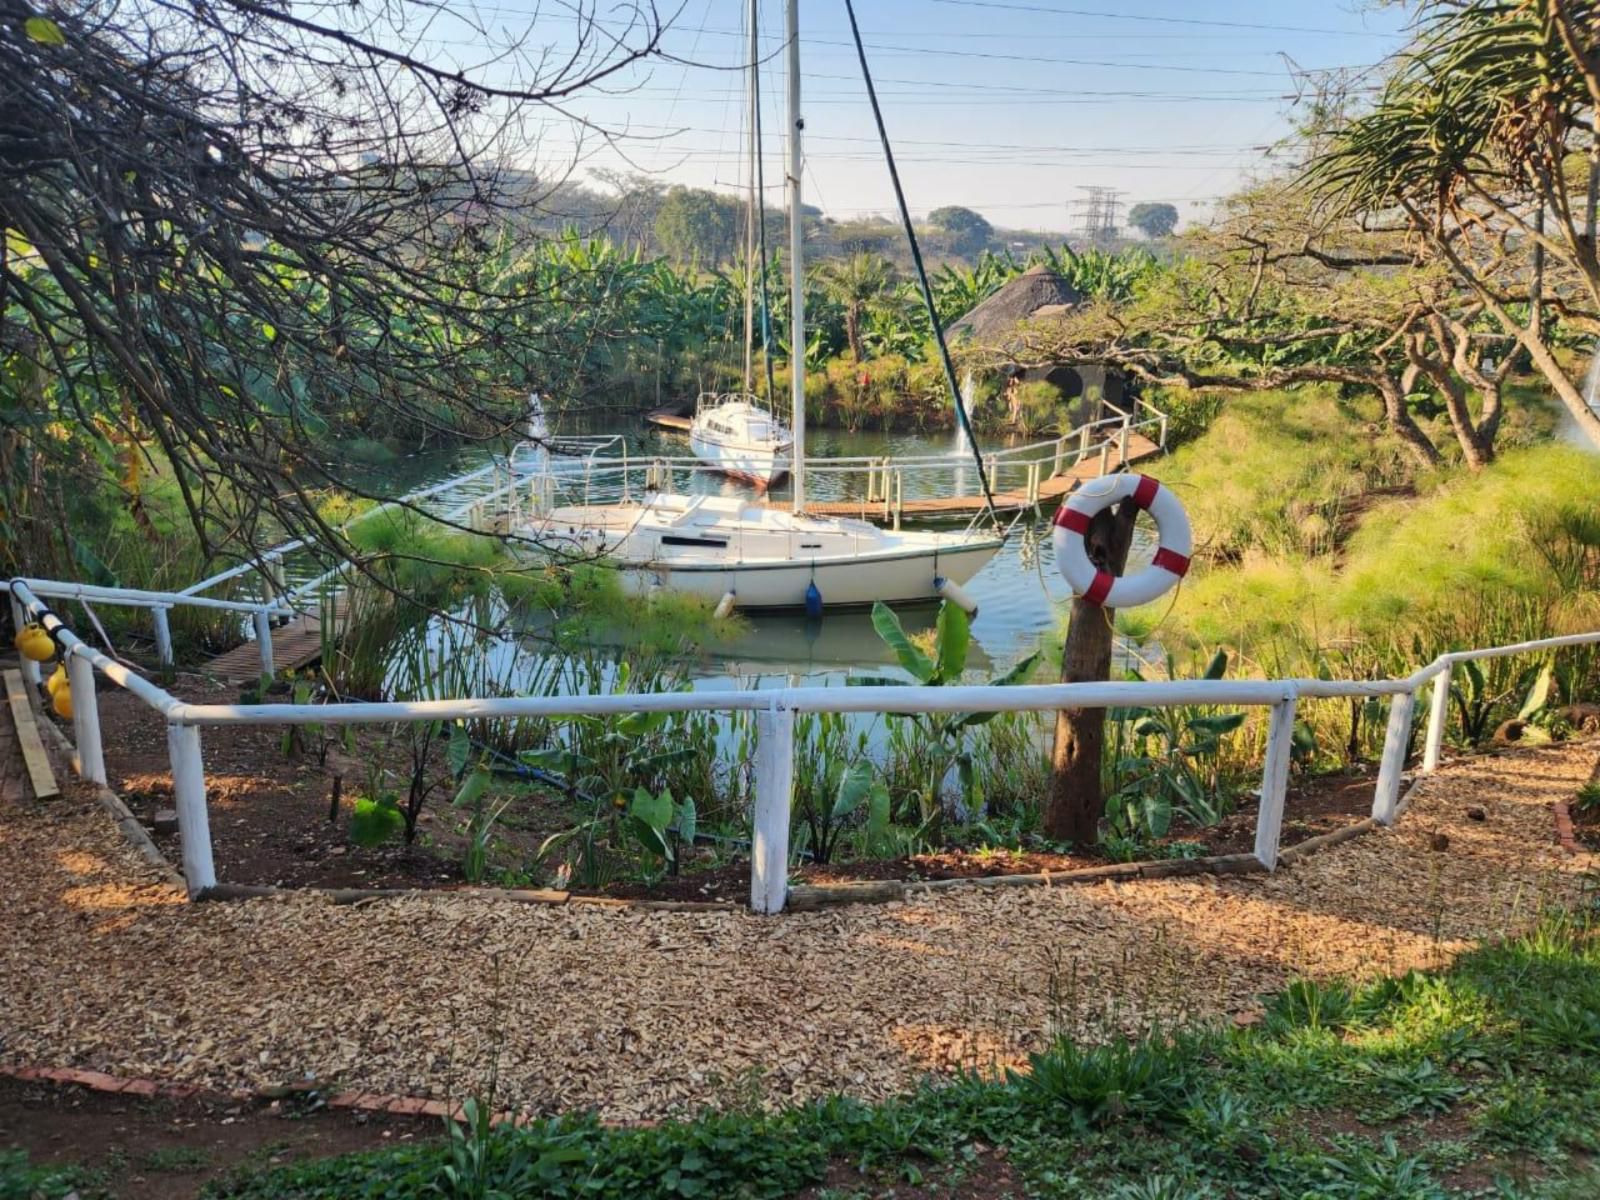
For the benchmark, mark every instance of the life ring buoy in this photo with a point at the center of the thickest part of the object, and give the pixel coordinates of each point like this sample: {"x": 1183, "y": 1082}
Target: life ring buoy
{"x": 1171, "y": 559}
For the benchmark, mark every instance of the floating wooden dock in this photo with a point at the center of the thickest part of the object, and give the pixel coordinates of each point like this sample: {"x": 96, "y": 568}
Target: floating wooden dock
{"x": 1052, "y": 489}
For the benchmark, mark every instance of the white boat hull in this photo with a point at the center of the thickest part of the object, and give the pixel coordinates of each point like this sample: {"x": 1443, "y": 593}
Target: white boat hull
{"x": 855, "y": 583}
{"x": 709, "y": 546}
{"x": 760, "y": 465}
{"x": 736, "y": 435}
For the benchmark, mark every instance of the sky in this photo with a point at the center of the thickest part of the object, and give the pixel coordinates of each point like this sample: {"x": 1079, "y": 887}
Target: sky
{"x": 1009, "y": 107}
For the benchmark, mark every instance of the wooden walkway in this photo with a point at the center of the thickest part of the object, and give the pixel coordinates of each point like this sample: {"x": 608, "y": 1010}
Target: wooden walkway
{"x": 295, "y": 645}
{"x": 1052, "y": 490}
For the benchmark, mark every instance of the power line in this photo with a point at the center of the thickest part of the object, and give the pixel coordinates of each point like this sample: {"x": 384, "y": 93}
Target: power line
{"x": 1116, "y": 16}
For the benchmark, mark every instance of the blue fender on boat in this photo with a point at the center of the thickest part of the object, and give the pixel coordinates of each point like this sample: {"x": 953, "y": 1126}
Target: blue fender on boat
{"x": 813, "y": 600}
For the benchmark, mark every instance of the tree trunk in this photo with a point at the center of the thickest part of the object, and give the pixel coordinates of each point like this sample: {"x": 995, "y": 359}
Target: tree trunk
{"x": 1399, "y": 419}
{"x": 1477, "y": 452}
{"x": 852, "y": 332}
{"x": 1076, "y": 804}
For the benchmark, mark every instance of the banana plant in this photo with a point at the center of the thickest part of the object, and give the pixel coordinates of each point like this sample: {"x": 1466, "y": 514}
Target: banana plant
{"x": 943, "y": 735}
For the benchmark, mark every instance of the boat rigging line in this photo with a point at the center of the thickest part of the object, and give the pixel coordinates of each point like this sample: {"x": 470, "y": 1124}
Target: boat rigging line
{"x": 922, "y": 271}
{"x": 761, "y": 209}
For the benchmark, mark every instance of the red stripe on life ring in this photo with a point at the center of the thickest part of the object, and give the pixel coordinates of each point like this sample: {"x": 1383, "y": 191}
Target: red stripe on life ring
{"x": 1071, "y": 518}
{"x": 1100, "y": 588}
{"x": 1144, "y": 493}
{"x": 1171, "y": 560}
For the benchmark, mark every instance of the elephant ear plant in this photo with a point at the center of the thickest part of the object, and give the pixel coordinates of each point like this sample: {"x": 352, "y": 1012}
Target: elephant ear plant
{"x": 601, "y": 762}
{"x": 942, "y": 736}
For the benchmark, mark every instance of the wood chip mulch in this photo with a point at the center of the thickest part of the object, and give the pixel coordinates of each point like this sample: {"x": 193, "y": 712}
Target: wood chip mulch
{"x": 643, "y": 1014}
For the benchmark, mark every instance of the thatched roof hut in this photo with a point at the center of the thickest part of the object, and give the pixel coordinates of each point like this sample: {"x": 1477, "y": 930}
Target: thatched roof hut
{"x": 1037, "y": 293}
{"x": 1034, "y": 297}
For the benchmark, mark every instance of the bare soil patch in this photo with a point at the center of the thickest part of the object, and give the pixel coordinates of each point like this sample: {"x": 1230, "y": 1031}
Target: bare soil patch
{"x": 168, "y": 1149}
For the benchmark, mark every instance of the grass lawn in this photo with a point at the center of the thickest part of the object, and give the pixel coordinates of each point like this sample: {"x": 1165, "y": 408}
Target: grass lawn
{"x": 1483, "y": 1080}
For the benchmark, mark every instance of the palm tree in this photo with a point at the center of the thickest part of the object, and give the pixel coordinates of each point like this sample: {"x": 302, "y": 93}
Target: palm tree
{"x": 857, "y": 283}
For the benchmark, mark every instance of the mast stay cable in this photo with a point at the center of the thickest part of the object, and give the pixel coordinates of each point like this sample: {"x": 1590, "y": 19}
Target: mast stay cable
{"x": 922, "y": 271}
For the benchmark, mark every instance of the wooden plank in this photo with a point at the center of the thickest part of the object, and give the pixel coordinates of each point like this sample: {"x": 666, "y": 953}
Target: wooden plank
{"x": 33, "y": 755}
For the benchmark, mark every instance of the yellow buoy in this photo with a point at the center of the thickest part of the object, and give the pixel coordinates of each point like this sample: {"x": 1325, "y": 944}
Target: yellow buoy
{"x": 61, "y": 701}
{"x": 33, "y": 642}
{"x": 57, "y": 680}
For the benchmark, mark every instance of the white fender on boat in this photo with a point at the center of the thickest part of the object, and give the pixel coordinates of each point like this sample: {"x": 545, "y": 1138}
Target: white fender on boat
{"x": 956, "y": 594}
{"x": 1171, "y": 559}
{"x": 725, "y": 605}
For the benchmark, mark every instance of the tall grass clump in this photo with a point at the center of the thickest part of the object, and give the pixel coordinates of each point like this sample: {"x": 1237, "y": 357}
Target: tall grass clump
{"x": 1323, "y": 554}
{"x": 1275, "y": 471}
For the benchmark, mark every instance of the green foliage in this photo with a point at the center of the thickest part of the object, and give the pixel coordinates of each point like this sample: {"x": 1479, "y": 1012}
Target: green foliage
{"x": 969, "y": 233}
{"x": 376, "y": 820}
{"x": 1147, "y": 1080}
{"x": 21, "y": 1181}
{"x": 1324, "y": 555}
{"x": 1153, "y": 220}
{"x": 940, "y": 739}
{"x": 697, "y": 226}
{"x": 1166, "y": 762}
{"x": 1588, "y": 797}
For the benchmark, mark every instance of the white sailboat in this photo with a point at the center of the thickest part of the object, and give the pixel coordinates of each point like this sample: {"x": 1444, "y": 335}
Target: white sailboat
{"x": 735, "y": 434}
{"x": 737, "y": 552}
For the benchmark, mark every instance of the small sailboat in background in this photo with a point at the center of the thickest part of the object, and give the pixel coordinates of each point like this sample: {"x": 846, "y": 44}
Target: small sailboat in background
{"x": 736, "y": 434}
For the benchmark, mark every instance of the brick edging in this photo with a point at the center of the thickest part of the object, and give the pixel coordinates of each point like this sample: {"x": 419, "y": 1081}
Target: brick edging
{"x": 355, "y": 1101}
{"x": 1564, "y": 831}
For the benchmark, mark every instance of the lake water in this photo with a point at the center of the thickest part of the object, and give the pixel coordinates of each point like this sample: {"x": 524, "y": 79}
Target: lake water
{"x": 1021, "y": 597}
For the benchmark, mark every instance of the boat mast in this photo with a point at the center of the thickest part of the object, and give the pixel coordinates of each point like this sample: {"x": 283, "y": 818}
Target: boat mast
{"x": 750, "y": 209}
{"x": 797, "y": 290}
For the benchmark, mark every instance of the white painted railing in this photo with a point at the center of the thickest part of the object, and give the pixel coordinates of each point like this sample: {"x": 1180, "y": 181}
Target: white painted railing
{"x": 775, "y": 743}
{"x": 877, "y": 487}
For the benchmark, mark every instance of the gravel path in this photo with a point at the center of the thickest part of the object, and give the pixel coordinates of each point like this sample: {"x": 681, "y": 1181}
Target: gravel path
{"x": 640, "y": 1014}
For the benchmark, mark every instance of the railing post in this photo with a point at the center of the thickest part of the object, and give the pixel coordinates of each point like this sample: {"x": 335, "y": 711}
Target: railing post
{"x": 1083, "y": 444}
{"x": 163, "y": 636}
{"x": 1163, "y": 431}
{"x": 1105, "y": 457}
{"x": 277, "y": 580}
{"x": 86, "y": 719}
{"x": 19, "y": 618}
{"x": 769, "y": 849}
{"x": 189, "y": 796}
{"x": 1438, "y": 714}
{"x": 263, "y": 623}
{"x": 1122, "y": 442}
{"x": 1275, "y": 782}
{"x": 899, "y": 496}
{"x": 1395, "y": 741}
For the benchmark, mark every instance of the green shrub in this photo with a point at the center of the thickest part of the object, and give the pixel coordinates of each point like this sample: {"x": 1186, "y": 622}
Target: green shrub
{"x": 376, "y": 821}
